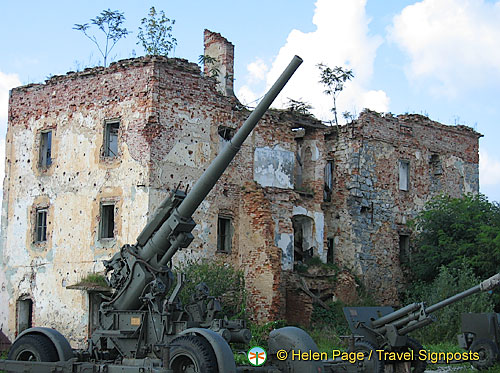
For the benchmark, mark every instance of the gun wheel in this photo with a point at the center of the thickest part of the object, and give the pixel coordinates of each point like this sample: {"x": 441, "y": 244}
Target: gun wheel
{"x": 488, "y": 354}
{"x": 33, "y": 347}
{"x": 192, "y": 354}
{"x": 371, "y": 363}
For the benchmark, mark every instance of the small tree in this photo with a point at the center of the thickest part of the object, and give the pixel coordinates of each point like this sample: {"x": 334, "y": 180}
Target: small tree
{"x": 109, "y": 22}
{"x": 155, "y": 35}
{"x": 334, "y": 80}
{"x": 453, "y": 230}
{"x": 223, "y": 281}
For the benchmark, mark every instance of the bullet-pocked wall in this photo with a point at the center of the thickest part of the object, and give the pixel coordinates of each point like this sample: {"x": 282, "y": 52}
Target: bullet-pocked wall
{"x": 90, "y": 155}
{"x": 73, "y": 146}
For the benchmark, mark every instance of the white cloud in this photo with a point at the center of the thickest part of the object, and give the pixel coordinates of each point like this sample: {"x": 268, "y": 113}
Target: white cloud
{"x": 453, "y": 42}
{"x": 340, "y": 39}
{"x": 247, "y": 96}
{"x": 7, "y": 81}
{"x": 489, "y": 169}
{"x": 257, "y": 69}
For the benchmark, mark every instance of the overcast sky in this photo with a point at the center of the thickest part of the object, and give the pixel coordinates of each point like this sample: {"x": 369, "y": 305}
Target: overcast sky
{"x": 440, "y": 58}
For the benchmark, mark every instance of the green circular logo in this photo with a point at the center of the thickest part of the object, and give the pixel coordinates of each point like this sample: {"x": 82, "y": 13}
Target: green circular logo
{"x": 257, "y": 356}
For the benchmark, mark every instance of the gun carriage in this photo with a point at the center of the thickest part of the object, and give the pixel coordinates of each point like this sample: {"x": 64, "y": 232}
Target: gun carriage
{"x": 383, "y": 329}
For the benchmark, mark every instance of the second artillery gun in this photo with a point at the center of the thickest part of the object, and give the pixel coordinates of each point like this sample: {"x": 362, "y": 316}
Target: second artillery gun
{"x": 386, "y": 330}
{"x": 481, "y": 334}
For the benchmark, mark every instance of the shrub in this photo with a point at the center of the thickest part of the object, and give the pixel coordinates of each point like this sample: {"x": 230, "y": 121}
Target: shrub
{"x": 453, "y": 230}
{"x": 449, "y": 281}
{"x": 327, "y": 326}
{"x": 224, "y": 282}
{"x": 260, "y": 333}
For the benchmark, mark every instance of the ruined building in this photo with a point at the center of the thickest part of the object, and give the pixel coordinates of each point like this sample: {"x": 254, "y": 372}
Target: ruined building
{"x": 90, "y": 155}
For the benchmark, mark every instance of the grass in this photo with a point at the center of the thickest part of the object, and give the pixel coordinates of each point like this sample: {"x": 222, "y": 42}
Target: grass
{"x": 94, "y": 279}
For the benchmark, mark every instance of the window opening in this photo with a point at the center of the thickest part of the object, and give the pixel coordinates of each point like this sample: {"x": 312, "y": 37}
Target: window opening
{"x": 404, "y": 175}
{"x": 107, "y": 223}
{"x": 224, "y": 233}
{"x": 41, "y": 225}
{"x": 329, "y": 255}
{"x": 298, "y": 170}
{"x": 435, "y": 164}
{"x": 226, "y": 133}
{"x": 111, "y": 139}
{"x": 46, "y": 149}
{"x": 404, "y": 248}
{"x": 328, "y": 188}
{"x": 302, "y": 239}
{"x": 24, "y": 314}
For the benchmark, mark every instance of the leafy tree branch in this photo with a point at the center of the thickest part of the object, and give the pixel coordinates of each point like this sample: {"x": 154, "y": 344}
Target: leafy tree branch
{"x": 453, "y": 230}
{"x": 110, "y": 23}
{"x": 155, "y": 33}
{"x": 334, "y": 80}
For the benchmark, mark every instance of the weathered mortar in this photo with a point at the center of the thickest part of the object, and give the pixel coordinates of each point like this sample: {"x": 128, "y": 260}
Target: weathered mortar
{"x": 170, "y": 120}
{"x": 369, "y": 211}
{"x": 74, "y": 107}
{"x": 222, "y": 51}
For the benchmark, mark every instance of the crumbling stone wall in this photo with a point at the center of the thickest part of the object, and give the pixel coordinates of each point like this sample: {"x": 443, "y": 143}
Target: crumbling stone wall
{"x": 75, "y": 108}
{"x": 369, "y": 211}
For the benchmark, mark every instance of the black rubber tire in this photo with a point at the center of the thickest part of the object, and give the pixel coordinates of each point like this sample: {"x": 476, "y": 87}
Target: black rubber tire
{"x": 192, "y": 354}
{"x": 417, "y": 365}
{"x": 371, "y": 364}
{"x": 488, "y": 354}
{"x": 33, "y": 347}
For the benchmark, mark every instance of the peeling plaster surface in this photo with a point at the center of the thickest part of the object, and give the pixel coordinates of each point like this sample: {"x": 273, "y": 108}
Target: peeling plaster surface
{"x": 192, "y": 155}
{"x": 4, "y": 300}
{"x": 169, "y": 118}
{"x": 285, "y": 243}
{"x": 274, "y": 167}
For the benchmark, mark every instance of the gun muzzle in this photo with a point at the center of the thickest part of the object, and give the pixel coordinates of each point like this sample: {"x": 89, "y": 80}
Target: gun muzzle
{"x": 490, "y": 283}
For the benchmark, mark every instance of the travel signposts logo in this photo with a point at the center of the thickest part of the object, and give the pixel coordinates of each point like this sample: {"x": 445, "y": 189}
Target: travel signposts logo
{"x": 257, "y": 356}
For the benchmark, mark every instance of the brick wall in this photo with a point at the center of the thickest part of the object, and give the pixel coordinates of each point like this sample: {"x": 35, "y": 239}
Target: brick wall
{"x": 172, "y": 123}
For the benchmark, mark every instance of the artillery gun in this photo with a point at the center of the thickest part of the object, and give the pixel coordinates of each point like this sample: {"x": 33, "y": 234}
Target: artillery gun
{"x": 380, "y": 330}
{"x": 481, "y": 334}
{"x": 141, "y": 328}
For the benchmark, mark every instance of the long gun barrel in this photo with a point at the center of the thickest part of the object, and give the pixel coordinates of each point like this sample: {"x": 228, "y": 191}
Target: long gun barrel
{"x": 383, "y": 323}
{"x": 486, "y": 285}
{"x": 170, "y": 229}
{"x": 416, "y": 315}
